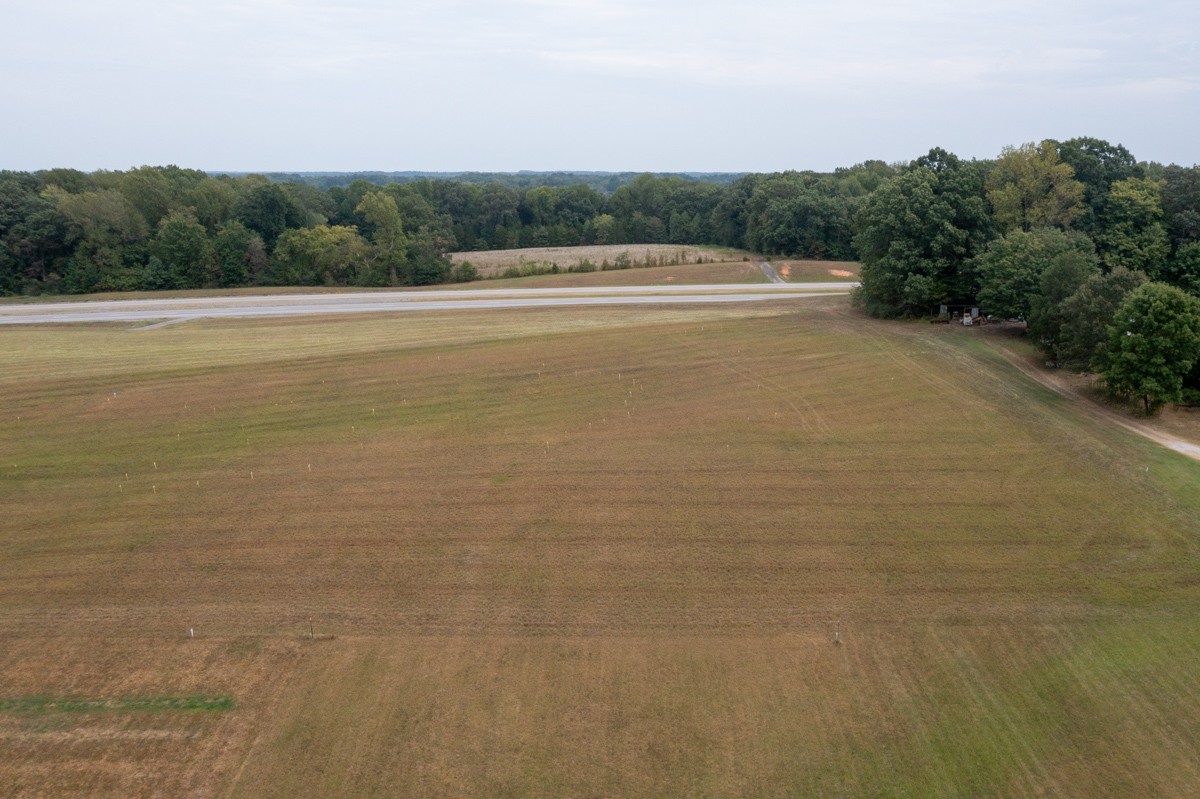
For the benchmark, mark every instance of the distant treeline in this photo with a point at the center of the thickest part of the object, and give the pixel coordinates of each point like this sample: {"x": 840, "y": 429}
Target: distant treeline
{"x": 918, "y": 227}
{"x": 605, "y": 182}
{"x": 67, "y": 231}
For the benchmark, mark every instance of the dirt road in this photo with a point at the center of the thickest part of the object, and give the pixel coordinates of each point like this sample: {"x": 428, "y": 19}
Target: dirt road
{"x": 770, "y": 272}
{"x": 1059, "y": 386}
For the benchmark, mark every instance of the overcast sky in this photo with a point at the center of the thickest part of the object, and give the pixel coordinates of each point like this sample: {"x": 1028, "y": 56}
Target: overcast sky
{"x": 658, "y": 85}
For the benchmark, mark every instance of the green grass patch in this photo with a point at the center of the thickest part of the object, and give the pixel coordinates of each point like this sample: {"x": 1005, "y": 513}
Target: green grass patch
{"x": 125, "y": 704}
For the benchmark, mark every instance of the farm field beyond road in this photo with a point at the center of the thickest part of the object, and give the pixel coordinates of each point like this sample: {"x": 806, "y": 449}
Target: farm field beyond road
{"x": 493, "y": 263}
{"x": 650, "y": 265}
{"x": 582, "y": 552}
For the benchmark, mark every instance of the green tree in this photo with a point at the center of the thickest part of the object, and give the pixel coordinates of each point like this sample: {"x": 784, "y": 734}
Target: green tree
{"x": 497, "y": 215}
{"x": 389, "y": 251}
{"x": 1010, "y": 269}
{"x": 1181, "y": 204}
{"x": 463, "y": 272}
{"x": 798, "y": 214}
{"x": 917, "y": 234}
{"x": 212, "y": 201}
{"x": 539, "y": 204}
{"x": 147, "y": 190}
{"x": 182, "y": 245}
{"x": 239, "y": 254}
{"x": 101, "y": 216}
{"x": 1154, "y": 341}
{"x": 862, "y": 179}
{"x": 33, "y": 235}
{"x": 646, "y": 194}
{"x": 426, "y": 269}
{"x": 1184, "y": 268}
{"x": 1131, "y": 231}
{"x": 1085, "y": 315}
{"x": 69, "y": 180}
{"x": 1030, "y": 187}
{"x": 575, "y": 205}
{"x": 157, "y": 276}
{"x": 1097, "y": 165}
{"x": 1061, "y": 279}
{"x": 728, "y": 217}
{"x": 315, "y": 206}
{"x": 268, "y": 211}
{"x": 603, "y": 230}
{"x": 326, "y": 255}
{"x": 107, "y": 234}
{"x": 430, "y": 233}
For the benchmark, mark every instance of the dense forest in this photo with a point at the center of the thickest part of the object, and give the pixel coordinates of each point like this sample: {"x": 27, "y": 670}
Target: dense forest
{"x": 65, "y": 231}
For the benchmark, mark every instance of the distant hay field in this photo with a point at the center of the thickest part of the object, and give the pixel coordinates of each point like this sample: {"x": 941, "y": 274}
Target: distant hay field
{"x": 690, "y": 274}
{"x": 495, "y": 263}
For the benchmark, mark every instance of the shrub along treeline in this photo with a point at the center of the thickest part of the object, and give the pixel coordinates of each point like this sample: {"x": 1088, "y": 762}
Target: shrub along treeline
{"x": 66, "y": 231}
{"x": 1100, "y": 255}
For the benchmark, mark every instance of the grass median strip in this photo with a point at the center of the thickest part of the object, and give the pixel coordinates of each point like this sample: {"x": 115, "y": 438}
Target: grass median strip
{"x": 126, "y": 704}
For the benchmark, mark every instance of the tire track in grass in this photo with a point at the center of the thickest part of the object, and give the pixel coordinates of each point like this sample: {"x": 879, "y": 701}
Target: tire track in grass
{"x": 1136, "y": 672}
{"x": 1005, "y": 712}
{"x": 858, "y": 325}
{"x": 811, "y": 420}
{"x": 967, "y": 399}
{"x": 893, "y": 688}
{"x": 1166, "y": 732}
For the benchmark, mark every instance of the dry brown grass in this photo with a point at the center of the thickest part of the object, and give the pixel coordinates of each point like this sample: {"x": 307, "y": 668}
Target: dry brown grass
{"x": 492, "y": 263}
{"x": 729, "y": 272}
{"x": 597, "y": 553}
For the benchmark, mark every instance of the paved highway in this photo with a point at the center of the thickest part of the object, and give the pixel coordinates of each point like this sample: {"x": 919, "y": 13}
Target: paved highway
{"x": 273, "y": 305}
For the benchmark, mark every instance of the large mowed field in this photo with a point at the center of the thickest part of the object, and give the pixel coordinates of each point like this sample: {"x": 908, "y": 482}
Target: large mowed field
{"x": 583, "y": 552}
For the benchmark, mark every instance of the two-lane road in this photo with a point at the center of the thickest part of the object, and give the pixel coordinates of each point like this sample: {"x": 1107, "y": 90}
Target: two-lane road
{"x": 275, "y": 305}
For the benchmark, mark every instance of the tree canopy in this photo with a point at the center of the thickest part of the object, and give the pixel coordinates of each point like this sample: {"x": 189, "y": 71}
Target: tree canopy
{"x": 1081, "y": 338}
{"x": 917, "y": 233}
{"x": 1031, "y": 187}
{"x": 1153, "y": 344}
{"x": 1010, "y": 270}
{"x": 1132, "y": 233}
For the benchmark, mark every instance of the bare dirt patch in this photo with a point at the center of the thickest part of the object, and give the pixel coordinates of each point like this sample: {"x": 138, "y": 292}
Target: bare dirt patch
{"x": 805, "y": 271}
